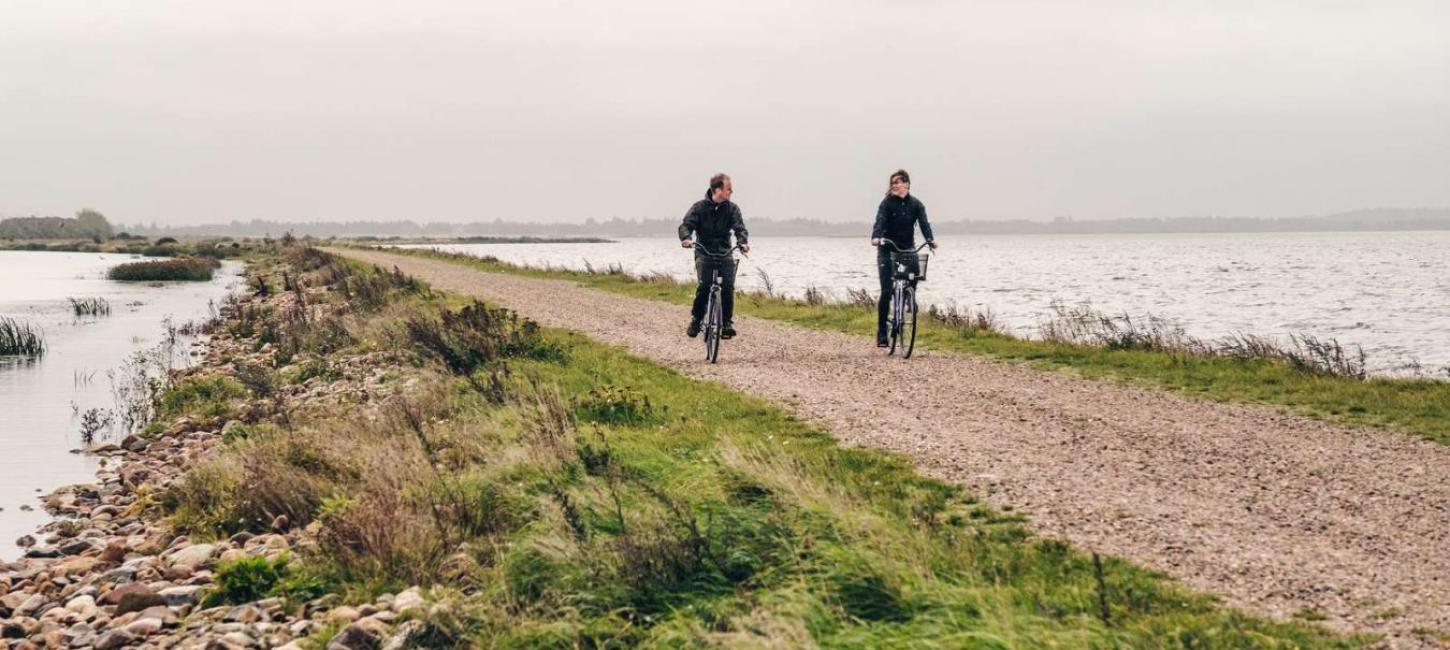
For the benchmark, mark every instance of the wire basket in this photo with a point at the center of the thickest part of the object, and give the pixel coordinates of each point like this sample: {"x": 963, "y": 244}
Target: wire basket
{"x": 909, "y": 266}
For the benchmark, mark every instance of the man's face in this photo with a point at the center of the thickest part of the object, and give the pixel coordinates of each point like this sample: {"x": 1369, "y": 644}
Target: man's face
{"x": 723, "y": 192}
{"x": 899, "y": 187}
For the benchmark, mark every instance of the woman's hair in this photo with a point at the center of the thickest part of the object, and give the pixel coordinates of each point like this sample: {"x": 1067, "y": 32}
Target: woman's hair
{"x": 905, "y": 177}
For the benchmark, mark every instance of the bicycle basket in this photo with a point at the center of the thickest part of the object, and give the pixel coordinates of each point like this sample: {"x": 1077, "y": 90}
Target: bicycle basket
{"x": 909, "y": 266}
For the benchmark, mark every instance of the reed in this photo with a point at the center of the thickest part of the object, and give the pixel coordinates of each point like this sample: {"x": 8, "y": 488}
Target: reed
{"x": 20, "y": 339}
{"x": 184, "y": 269}
{"x": 90, "y": 307}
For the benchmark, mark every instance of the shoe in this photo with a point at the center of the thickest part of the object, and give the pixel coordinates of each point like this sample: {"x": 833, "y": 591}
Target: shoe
{"x": 881, "y": 341}
{"x": 728, "y": 332}
{"x": 694, "y": 329}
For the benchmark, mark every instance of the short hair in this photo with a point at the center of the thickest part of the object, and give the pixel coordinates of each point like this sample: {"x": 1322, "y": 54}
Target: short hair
{"x": 901, "y": 173}
{"x": 718, "y": 181}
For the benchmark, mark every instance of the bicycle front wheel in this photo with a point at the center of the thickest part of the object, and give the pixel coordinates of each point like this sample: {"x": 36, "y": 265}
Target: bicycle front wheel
{"x": 715, "y": 322}
{"x": 908, "y": 334}
{"x": 895, "y": 323}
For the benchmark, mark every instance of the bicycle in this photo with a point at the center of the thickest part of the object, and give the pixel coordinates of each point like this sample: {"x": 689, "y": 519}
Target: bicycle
{"x": 908, "y": 267}
{"x": 715, "y": 310}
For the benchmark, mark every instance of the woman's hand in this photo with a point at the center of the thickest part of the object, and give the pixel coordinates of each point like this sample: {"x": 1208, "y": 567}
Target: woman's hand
{"x": 686, "y": 243}
{"x": 875, "y": 241}
{"x": 932, "y": 244}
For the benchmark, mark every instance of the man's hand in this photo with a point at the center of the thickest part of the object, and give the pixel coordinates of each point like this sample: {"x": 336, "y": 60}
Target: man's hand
{"x": 745, "y": 248}
{"x": 686, "y": 243}
{"x": 875, "y": 241}
{"x": 932, "y": 244}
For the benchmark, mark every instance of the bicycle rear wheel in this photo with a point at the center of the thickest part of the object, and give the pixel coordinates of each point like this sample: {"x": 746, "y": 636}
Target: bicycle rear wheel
{"x": 909, "y": 324}
{"x": 714, "y": 322}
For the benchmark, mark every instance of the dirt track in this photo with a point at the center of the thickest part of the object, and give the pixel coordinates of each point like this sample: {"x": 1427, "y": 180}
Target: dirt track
{"x": 1279, "y": 514}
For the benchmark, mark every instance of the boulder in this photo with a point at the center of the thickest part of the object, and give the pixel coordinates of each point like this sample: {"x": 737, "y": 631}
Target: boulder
{"x": 193, "y": 556}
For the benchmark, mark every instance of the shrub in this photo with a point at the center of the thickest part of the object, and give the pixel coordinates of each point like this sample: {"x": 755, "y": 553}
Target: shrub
{"x": 615, "y": 405}
{"x": 90, "y": 307}
{"x": 188, "y": 268}
{"x": 246, "y": 580}
{"x": 202, "y": 397}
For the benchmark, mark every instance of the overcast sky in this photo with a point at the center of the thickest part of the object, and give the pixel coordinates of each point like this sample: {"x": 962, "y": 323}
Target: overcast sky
{"x": 199, "y": 112}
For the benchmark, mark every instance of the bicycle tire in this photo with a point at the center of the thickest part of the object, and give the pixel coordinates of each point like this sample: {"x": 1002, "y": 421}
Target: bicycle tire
{"x": 715, "y": 325}
{"x": 895, "y": 321}
{"x": 909, "y": 306}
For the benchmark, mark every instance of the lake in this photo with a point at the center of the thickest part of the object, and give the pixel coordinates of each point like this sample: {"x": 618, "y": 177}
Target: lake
{"x": 42, "y": 401}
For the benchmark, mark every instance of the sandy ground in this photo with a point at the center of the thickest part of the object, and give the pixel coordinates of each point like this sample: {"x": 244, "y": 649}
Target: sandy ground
{"x": 1279, "y": 514}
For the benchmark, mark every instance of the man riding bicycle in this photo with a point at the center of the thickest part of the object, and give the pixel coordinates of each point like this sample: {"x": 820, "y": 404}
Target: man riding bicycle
{"x": 896, "y": 221}
{"x": 712, "y": 220}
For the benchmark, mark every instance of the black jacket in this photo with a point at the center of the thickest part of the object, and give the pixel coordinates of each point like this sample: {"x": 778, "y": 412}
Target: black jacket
{"x": 712, "y": 224}
{"x": 896, "y": 220}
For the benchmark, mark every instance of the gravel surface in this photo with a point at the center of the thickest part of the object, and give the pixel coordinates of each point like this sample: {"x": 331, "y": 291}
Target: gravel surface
{"x": 1279, "y": 514}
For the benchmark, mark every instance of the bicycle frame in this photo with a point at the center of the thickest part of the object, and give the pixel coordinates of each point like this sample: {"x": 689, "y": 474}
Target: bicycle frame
{"x": 714, "y": 308}
{"x": 903, "y": 298}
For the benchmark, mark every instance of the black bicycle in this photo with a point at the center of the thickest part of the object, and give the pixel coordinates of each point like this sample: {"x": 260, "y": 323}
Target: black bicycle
{"x": 908, "y": 267}
{"x": 714, "y": 322}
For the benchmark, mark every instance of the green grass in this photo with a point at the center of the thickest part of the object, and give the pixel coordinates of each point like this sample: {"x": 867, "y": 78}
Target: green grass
{"x": 591, "y": 498}
{"x": 193, "y": 269}
{"x": 1417, "y": 406}
{"x": 206, "y": 397}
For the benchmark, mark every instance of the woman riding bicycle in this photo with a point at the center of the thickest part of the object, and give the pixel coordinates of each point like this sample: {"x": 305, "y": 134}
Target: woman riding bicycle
{"x": 712, "y": 220}
{"x": 896, "y": 221}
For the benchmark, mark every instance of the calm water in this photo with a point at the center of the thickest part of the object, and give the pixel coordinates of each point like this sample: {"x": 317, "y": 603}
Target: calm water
{"x": 40, "y": 401}
{"x": 1389, "y": 292}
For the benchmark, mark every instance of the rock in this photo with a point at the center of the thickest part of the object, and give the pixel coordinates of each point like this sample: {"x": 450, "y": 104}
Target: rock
{"x": 135, "y": 602}
{"x": 400, "y": 637}
{"x": 80, "y": 635}
{"x": 343, "y": 614}
{"x": 365, "y": 634}
{"x": 115, "y": 639}
{"x": 12, "y": 629}
{"x": 238, "y": 640}
{"x": 114, "y": 552}
{"x": 83, "y": 606}
{"x": 76, "y": 566}
{"x": 280, "y": 524}
{"x": 25, "y": 541}
{"x": 76, "y": 546}
{"x": 183, "y": 595}
{"x": 114, "y": 596}
{"x": 243, "y": 614}
{"x": 143, "y": 626}
{"x": 407, "y": 601}
{"x": 194, "y": 556}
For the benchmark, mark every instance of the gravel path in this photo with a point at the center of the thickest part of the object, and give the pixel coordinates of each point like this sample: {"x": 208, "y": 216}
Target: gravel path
{"x": 1278, "y": 513}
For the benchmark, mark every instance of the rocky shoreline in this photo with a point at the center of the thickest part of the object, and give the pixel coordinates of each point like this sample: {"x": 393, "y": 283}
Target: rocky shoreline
{"x": 107, "y": 572}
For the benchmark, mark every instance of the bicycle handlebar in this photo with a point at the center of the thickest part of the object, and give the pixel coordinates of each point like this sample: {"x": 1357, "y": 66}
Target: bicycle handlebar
{"x": 709, "y": 253}
{"x": 899, "y": 249}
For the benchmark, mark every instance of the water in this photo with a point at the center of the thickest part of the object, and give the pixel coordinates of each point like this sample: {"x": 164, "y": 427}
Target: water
{"x": 1389, "y": 292}
{"x": 41, "y": 401}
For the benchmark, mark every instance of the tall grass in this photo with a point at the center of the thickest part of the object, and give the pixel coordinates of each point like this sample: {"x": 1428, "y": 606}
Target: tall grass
{"x": 90, "y": 307}
{"x": 184, "y": 269}
{"x": 20, "y": 339}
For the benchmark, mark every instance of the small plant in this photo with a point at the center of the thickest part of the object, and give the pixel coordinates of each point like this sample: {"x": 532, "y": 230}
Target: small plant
{"x": 616, "y": 405}
{"x": 90, "y": 307}
{"x": 20, "y": 339}
{"x": 93, "y": 421}
{"x": 185, "y": 269}
{"x": 246, "y": 580}
{"x": 815, "y": 297}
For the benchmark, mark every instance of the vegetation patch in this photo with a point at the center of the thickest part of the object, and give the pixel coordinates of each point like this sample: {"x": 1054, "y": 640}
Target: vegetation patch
{"x": 20, "y": 339}
{"x": 90, "y": 307}
{"x": 193, "y": 269}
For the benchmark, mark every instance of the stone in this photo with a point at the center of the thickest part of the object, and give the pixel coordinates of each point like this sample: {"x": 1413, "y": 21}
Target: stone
{"x": 76, "y": 566}
{"x": 231, "y": 555}
{"x": 115, "y": 639}
{"x": 76, "y": 546}
{"x": 143, "y": 626}
{"x": 135, "y": 602}
{"x": 114, "y": 596}
{"x": 401, "y": 637}
{"x": 407, "y": 601}
{"x": 182, "y": 595}
{"x": 80, "y": 635}
{"x": 83, "y": 606}
{"x": 280, "y": 524}
{"x": 114, "y": 552}
{"x": 243, "y": 614}
{"x": 193, "y": 556}
{"x": 358, "y": 636}
{"x": 343, "y": 614}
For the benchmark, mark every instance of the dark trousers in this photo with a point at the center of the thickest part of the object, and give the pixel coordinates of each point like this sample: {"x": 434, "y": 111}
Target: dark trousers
{"x": 884, "y": 273}
{"x": 705, "y": 268}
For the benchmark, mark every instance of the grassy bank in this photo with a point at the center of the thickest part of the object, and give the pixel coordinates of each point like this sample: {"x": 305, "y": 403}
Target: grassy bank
{"x": 1305, "y": 381}
{"x": 194, "y": 269}
{"x": 555, "y": 491}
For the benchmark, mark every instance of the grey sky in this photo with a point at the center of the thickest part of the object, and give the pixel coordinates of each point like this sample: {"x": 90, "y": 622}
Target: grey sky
{"x": 191, "y": 112}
